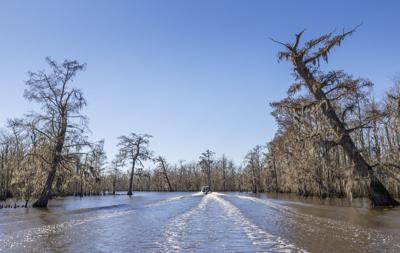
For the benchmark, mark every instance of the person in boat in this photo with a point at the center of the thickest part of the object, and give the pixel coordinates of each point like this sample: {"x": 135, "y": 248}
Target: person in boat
{"x": 206, "y": 189}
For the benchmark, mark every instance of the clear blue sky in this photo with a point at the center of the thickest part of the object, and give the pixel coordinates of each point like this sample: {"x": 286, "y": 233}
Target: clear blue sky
{"x": 195, "y": 74}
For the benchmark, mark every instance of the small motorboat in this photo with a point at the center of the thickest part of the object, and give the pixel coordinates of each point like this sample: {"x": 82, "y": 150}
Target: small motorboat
{"x": 205, "y": 189}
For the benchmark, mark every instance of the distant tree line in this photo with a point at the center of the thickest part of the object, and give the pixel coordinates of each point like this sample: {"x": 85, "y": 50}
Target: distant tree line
{"x": 334, "y": 139}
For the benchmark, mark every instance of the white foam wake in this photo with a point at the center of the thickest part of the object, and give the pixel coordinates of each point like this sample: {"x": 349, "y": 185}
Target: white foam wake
{"x": 258, "y": 236}
{"x": 173, "y": 199}
{"x": 321, "y": 225}
{"x": 164, "y": 201}
{"x": 175, "y": 229}
{"x": 197, "y": 194}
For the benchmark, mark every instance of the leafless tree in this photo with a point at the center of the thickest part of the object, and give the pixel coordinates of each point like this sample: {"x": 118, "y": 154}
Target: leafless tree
{"x": 135, "y": 149}
{"x": 206, "y": 161}
{"x": 116, "y": 164}
{"x": 60, "y": 121}
{"x": 253, "y": 161}
{"x": 163, "y": 165}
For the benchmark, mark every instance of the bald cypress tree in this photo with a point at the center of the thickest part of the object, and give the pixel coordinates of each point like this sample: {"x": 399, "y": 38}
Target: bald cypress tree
{"x": 326, "y": 91}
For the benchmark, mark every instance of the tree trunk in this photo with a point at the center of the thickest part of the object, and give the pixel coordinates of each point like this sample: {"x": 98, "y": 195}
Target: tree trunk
{"x": 389, "y": 139}
{"x": 253, "y": 179}
{"x": 209, "y": 176}
{"x": 276, "y": 174}
{"x": 224, "y": 165}
{"x": 114, "y": 185}
{"x": 379, "y": 195}
{"x": 46, "y": 192}
{"x": 377, "y": 192}
{"x": 168, "y": 182}
{"x": 81, "y": 191}
{"x": 7, "y": 176}
{"x": 224, "y": 180}
{"x": 131, "y": 179}
{"x": 376, "y": 141}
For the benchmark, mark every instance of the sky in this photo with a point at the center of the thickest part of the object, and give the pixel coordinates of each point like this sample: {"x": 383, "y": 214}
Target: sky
{"x": 196, "y": 75}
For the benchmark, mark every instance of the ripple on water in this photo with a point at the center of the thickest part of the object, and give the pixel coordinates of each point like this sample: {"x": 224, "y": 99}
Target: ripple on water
{"x": 336, "y": 233}
{"x": 27, "y": 236}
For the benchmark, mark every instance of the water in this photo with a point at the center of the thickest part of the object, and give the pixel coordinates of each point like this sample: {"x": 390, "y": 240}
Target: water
{"x": 193, "y": 222}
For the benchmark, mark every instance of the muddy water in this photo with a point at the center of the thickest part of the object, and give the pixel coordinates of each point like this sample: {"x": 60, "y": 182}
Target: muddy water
{"x": 193, "y": 222}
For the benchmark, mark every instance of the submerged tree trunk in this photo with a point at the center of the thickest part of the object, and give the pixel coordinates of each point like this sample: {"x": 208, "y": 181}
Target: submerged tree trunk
{"x": 379, "y": 195}
{"x": 46, "y": 192}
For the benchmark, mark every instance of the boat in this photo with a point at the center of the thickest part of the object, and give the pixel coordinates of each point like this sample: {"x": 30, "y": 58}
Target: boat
{"x": 205, "y": 189}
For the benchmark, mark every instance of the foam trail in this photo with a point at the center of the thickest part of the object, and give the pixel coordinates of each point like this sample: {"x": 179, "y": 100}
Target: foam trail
{"x": 258, "y": 236}
{"x": 197, "y": 194}
{"x": 164, "y": 201}
{"x": 160, "y": 202}
{"x": 175, "y": 229}
{"x": 322, "y": 225}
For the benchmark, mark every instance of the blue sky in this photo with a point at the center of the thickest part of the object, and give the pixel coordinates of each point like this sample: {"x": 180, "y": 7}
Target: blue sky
{"x": 195, "y": 74}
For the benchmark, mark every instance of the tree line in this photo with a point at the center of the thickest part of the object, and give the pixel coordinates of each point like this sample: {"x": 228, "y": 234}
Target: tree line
{"x": 334, "y": 139}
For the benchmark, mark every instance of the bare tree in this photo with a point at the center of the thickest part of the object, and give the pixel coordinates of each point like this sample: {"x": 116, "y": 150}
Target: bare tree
{"x": 163, "y": 165}
{"x": 60, "y": 121}
{"x": 115, "y": 165}
{"x": 326, "y": 89}
{"x": 95, "y": 162}
{"x": 135, "y": 149}
{"x": 206, "y": 160}
{"x": 254, "y": 163}
{"x": 224, "y": 165}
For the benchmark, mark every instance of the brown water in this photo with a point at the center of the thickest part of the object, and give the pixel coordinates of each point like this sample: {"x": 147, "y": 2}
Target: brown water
{"x": 187, "y": 222}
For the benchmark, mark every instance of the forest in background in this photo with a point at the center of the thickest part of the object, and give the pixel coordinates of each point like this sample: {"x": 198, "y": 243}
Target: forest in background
{"x": 334, "y": 139}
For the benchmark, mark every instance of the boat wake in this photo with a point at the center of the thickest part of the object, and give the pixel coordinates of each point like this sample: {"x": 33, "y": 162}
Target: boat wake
{"x": 175, "y": 229}
{"x": 186, "y": 231}
{"x": 173, "y": 199}
{"x": 321, "y": 226}
{"x": 259, "y": 237}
